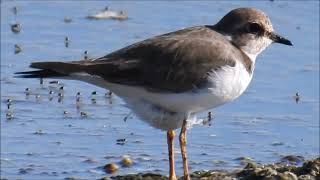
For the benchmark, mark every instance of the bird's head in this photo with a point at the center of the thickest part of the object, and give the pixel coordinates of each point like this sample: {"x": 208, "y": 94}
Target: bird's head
{"x": 250, "y": 30}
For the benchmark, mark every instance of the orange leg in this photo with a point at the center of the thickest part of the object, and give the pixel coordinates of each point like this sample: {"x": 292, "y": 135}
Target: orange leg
{"x": 183, "y": 142}
{"x": 170, "y": 138}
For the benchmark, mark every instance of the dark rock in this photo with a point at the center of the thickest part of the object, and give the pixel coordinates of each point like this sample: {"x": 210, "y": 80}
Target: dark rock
{"x": 141, "y": 176}
{"x": 111, "y": 168}
{"x": 310, "y": 170}
{"x": 292, "y": 159}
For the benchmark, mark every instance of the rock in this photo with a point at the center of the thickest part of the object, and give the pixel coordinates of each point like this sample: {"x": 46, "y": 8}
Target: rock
{"x": 292, "y": 159}
{"x": 111, "y": 168}
{"x": 16, "y": 28}
{"x": 310, "y": 170}
{"x": 267, "y": 172}
{"x": 287, "y": 176}
{"x": 306, "y": 177}
{"x": 244, "y": 160}
{"x": 126, "y": 161}
{"x": 140, "y": 176}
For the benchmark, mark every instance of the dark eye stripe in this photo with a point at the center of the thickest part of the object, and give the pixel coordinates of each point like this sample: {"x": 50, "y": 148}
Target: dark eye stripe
{"x": 254, "y": 28}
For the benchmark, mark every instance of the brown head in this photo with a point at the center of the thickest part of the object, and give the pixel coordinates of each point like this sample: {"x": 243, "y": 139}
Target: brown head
{"x": 249, "y": 29}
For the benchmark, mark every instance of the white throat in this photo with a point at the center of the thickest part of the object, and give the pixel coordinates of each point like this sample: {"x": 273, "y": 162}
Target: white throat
{"x": 253, "y": 48}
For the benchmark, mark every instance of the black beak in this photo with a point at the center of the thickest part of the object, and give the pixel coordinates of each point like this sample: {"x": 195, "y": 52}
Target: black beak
{"x": 279, "y": 39}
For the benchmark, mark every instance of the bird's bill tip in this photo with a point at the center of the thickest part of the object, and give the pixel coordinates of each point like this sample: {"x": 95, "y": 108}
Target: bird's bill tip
{"x": 276, "y": 38}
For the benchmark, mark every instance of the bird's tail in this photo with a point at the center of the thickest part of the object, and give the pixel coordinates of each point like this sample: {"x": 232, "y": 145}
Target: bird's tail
{"x": 50, "y": 70}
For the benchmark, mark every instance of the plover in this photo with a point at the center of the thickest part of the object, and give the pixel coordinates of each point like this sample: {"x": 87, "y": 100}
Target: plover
{"x": 167, "y": 79}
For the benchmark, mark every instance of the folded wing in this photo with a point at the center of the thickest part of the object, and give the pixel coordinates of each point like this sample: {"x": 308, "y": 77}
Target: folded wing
{"x": 175, "y": 62}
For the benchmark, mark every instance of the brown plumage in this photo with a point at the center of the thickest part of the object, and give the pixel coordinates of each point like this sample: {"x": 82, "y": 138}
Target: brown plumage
{"x": 175, "y": 62}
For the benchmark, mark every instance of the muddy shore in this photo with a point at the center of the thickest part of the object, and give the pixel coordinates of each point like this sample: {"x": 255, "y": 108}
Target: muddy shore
{"x": 309, "y": 170}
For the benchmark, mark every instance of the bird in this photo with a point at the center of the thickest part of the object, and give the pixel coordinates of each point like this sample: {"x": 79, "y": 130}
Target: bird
{"x": 167, "y": 79}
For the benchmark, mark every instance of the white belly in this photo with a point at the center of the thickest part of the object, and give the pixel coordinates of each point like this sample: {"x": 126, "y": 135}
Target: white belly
{"x": 167, "y": 110}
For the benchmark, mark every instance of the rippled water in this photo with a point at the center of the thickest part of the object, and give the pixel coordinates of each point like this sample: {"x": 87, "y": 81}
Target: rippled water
{"x": 265, "y": 123}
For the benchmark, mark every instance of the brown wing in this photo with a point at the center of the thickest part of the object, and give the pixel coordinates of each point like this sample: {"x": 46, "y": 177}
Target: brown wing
{"x": 176, "y": 62}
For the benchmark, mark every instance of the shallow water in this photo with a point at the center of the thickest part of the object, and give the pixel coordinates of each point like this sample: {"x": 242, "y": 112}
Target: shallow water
{"x": 265, "y": 123}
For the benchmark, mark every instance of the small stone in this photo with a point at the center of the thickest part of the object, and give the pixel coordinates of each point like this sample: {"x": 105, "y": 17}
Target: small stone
{"x": 9, "y": 115}
{"x": 67, "y": 20}
{"x": 39, "y": 132}
{"x": 65, "y": 113}
{"x": 306, "y": 177}
{"x": 292, "y": 159}
{"x": 90, "y": 160}
{"x": 219, "y": 162}
{"x": 267, "y": 172}
{"x": 17, "y": 49}
{"x": 9, "y": 101}
{"x": 111, "y": 168}
{"x": 126, "y": 161}
{"x": 38, "y": 97}
{"x": 244, "y": 160}
{"x": 16, "y": 28}
{"x": 287, "y": 176}
{"x": 83, "y": 114}
{"x": 121, "y": 141}
{"x": 277, "y": 143}
{"x": 25, "y": 170}
{"x": 54, "y": 82}
{"x": 251, "y": 165}
{"x": 27, "y": 91}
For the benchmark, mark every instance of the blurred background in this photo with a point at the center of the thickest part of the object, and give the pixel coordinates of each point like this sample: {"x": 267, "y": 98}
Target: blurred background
{"x": 50, "y": 132}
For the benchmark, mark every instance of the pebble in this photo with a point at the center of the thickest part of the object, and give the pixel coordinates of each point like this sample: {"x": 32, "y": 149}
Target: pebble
{"x": 67, "y": 20}
{"x": 90, "y": 160}
{"x": 65, "y": 113}
{"x": 39, "y": 132}
{"x": 310, "y": 170}
{"x": 38, "y": 97}
{"x": 126, "y": 161}
{"x": 27, "y": 91}
{"x": 244, "y": 160}
{"x": 17, "y": 49}
{"x": 9, "y": 101}
{"x": 54, "y": 82}
{"x": 292, "y": 159}
{"x": 9, "y": 115}
{"x": 276, "y": 143}
{"x": 287, "y": 176}
{"x": 111, "y": 168}
{"x": 16, "y": 28}
{"x": 83, "y": 114}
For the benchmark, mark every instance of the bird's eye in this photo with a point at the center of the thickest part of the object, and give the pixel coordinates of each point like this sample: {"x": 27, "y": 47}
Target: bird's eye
{"x": 254, "y": 28}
